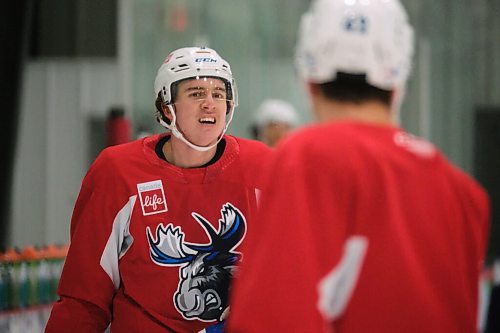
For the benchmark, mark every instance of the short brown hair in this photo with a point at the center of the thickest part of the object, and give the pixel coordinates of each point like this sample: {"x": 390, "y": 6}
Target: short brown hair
{"x": 355, "y": 89}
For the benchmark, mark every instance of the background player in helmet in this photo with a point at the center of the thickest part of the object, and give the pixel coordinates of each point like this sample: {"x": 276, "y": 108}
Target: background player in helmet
{"x": 364, "y": 227}
{"x": 274, "y": 119}
{"x": 158, "y": 223}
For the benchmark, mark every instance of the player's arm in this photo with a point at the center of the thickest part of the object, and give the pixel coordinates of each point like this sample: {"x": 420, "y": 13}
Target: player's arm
{"x": 90, "y": 275}
{"x": 90, "y": 317}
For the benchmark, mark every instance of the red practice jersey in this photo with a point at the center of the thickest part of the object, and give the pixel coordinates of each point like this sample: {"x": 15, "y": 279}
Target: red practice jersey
{"x": 363, "y": 228}
{"x": 153, "y": 246}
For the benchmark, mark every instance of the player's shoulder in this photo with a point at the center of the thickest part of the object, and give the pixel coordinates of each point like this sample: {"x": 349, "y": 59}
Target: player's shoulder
{"x": 121, "y": 151}
{"x": 342, "y": 135}
{"x": 250, "y": 160}
{"x": 118, "y": 156}
{"x": 468, "y": 184}
{"x": 250, "y": 148}
{"x": 320, "y": 138}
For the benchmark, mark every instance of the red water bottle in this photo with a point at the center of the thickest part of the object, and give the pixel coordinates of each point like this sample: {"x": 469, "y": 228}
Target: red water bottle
{"x": 117, "y": 127}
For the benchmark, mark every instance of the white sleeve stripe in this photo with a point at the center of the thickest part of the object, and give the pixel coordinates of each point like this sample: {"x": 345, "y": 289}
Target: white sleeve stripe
{"x": 119, "y": 242}
{"x": 336, "y": 288}
{"x": 258, "y": 193}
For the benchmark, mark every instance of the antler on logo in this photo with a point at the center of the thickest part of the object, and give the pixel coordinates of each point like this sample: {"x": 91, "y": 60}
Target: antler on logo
{"x": 206, "y": 269}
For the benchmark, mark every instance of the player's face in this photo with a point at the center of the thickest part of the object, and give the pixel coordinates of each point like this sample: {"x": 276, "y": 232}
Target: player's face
{"x": 273, "y": 132}
{"x": 201, "y": 106}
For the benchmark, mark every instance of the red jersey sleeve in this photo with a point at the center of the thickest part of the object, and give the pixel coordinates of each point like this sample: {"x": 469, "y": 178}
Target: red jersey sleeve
{"x": 86, "y": 287}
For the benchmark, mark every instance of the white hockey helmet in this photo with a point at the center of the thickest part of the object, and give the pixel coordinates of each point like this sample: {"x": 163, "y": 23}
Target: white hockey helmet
{"x": 370, "y": 37}
{"x": 193, "y": 62}
{"x": 276, "y": 110}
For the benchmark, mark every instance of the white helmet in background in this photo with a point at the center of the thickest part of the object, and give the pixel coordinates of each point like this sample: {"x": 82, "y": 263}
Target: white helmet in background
{"x": 370, "y": 37}
{"x": 278, "y": 111}
{"x": 193, "y": 62}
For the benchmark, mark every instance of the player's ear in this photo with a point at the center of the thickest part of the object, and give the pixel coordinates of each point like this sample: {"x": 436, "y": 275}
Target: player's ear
{"x": 313, "y": 89}
{"x": 166, "y": 111}
{"x": 316, "y": 98}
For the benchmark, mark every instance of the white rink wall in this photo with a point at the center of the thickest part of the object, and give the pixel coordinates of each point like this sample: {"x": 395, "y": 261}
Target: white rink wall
{"x": 58, "y": 99}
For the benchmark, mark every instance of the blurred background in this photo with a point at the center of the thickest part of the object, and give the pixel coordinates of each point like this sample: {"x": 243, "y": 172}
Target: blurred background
{"x": 67, "y": 65}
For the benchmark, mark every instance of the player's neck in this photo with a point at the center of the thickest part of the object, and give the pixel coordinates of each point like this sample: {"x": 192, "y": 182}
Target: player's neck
{"x": 370, "y": 112}
{"x": 181, "y": 155}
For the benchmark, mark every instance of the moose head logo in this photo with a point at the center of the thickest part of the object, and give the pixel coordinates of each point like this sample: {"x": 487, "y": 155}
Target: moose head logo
{"x": 206, "y": 269}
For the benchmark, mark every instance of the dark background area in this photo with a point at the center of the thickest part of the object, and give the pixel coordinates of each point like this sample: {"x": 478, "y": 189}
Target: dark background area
{"x": 487, "y": 167}
{"x": 43, "y": 29}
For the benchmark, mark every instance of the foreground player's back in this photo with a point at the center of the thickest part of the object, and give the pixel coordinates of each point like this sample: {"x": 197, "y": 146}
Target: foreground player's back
{"x": 364, "y": 229}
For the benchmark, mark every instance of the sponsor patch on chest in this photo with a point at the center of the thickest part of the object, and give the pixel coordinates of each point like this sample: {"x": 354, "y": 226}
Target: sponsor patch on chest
{"x": 152, "y": 197}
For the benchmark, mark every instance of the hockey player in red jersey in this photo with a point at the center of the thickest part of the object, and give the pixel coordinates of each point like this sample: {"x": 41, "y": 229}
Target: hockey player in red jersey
{"x": 157, "y": 227}
{"x": 364, "y": 227}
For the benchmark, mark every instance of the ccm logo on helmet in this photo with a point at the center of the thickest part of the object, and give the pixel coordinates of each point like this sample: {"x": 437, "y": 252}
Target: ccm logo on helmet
{"x": 205, "y": 60}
